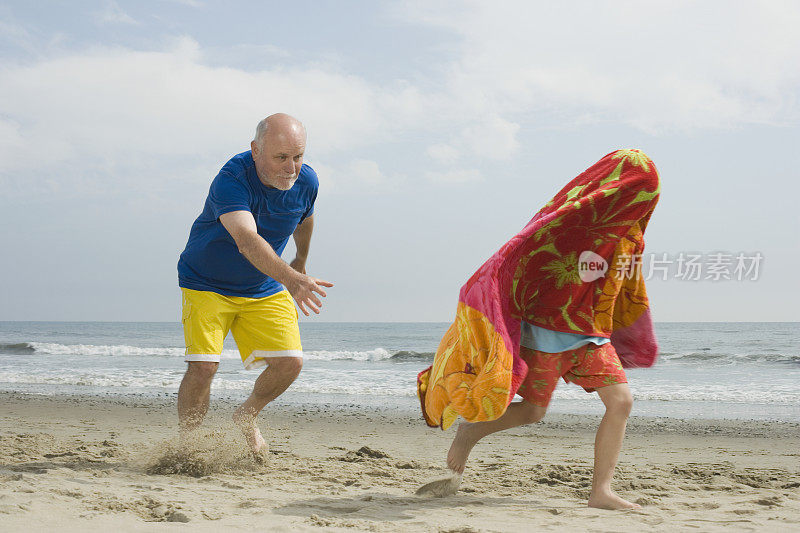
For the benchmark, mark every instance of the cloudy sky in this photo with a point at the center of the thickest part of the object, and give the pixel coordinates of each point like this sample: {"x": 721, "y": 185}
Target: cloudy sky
{"x": 437, "y": 129}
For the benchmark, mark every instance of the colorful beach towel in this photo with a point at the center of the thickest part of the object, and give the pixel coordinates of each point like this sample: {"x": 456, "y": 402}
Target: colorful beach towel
{"x": 572, "y": 268}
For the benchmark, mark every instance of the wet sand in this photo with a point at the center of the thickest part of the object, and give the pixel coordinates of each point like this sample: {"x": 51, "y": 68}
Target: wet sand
{"x": 89, "y": 463}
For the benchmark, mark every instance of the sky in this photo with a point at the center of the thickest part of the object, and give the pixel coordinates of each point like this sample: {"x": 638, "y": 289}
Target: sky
{"x": 437, "y": 130}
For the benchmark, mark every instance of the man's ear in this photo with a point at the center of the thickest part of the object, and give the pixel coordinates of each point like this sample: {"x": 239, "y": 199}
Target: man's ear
{"x": 254, "y": 147}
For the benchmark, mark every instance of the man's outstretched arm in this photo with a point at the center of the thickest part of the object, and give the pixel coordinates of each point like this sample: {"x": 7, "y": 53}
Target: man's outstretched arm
{"x": 242, "y": 227}
{"x": 302, "y": 241}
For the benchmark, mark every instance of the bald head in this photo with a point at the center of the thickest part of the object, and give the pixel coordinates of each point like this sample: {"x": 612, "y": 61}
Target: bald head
{"x": 279, "y": 125}
{"x": 278, "y": 149}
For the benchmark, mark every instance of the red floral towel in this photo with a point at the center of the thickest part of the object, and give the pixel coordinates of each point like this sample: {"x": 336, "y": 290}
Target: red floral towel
{"x": 572, "y": 268}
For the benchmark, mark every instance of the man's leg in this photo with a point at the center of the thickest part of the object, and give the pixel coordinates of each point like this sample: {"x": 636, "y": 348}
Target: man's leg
{"x": 607, "y": 445}
{"x": 194, "y": 392}
{"x": 468, "y": 434}
{"x": 206, "y": 318}
{"x": 266, "y": 330}
{"x": 273, "y": 381}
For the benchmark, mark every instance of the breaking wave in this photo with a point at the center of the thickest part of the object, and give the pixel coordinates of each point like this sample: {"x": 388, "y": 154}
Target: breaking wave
{"x": 49, "y": 348}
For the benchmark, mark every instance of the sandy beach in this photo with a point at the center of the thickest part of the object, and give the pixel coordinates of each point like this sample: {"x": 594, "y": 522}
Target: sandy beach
{"x": 88, "y": 463}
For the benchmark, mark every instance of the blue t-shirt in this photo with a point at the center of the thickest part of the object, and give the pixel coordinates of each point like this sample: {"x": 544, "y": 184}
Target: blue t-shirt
{"x": 211, "y": 260}
{"x": 549, "y": 341}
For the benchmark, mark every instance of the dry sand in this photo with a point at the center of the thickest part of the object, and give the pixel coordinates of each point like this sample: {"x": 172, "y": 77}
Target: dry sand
{"x": 88, "y": 463}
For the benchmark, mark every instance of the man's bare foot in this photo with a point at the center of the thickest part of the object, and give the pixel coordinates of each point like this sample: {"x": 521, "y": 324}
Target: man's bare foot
{"x": 609, "y": 500}
{"x": 463, "y": 443}
{"x": 255, "y": 441}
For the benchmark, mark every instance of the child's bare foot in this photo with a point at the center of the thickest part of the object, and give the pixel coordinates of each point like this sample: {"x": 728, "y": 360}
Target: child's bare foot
{"x": 609, "y": 500}
{"x": 463, "y": 443}
{"x": 255, "y": 441}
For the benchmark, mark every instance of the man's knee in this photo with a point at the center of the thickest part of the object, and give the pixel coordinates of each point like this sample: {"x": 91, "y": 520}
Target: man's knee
{"x": 202, "y": 370}
{"x": 532, "y": 412}
{"x": 288, "y": 366}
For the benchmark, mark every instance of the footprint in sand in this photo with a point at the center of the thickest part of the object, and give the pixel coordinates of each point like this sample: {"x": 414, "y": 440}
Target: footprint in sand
{"x": 441, "y": 487}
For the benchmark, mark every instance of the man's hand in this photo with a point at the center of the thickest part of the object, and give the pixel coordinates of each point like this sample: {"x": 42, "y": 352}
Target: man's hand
{"x": 242, "y": 227}
{"x": 298, "y": 264}
{"x": 302, "y": 289}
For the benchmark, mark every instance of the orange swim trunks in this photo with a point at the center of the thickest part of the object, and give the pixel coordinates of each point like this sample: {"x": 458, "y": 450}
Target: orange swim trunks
{"x": 590, "y": 366}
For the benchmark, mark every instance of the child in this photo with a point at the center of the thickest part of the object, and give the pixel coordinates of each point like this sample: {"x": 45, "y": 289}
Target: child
{"x": 546, "y": 306}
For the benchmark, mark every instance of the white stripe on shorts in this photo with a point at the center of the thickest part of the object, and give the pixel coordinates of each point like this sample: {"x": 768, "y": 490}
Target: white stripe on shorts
{"x": 207, "y": 357}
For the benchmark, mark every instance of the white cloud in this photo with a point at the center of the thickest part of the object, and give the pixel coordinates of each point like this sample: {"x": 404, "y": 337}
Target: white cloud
{"x": 443, "y": 153}
{"x": 113, "y": 14}
{"x": 115, "y": 109}
{"x": 114, "y": 114}
{"x": 467, "y": 175}
{"x": 357, "y": 175}
{"x": 653, "y": 65}
{"x": 367, "y": 171}
{"x": 16, "y": 36}
{"x": 246, "y": 55}
{"x": 492, "y": 137}
{"x": 189, "y": 3}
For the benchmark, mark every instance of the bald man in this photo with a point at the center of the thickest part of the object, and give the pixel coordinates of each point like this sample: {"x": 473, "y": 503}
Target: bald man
{"x": 233, "y": 278}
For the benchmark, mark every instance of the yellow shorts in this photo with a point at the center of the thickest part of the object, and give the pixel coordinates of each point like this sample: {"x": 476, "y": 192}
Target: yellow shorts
{"x": 262, "y": 327}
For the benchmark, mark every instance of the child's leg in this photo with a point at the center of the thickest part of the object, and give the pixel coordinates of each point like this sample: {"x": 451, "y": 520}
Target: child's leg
{"x": 468, "y": 434}
{"x": 544, "y": 371}
{"x": 607, "y": 445}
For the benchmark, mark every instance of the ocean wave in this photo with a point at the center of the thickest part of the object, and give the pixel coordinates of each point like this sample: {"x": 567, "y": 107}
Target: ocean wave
{"x": 17, "y": 348}
{"x": 52, "y": 348}
{"x": 404, "y": 355}
{"x": 169, "y": 382}
{"x": 704, "y": 355}
{"x": 696, "y": 356}
{"x": 49, "y": 348}
{"x": 377, "y": 354}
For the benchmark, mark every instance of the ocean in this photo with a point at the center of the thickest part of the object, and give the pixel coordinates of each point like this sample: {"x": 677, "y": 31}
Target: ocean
{"x": 705, "y": 370}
